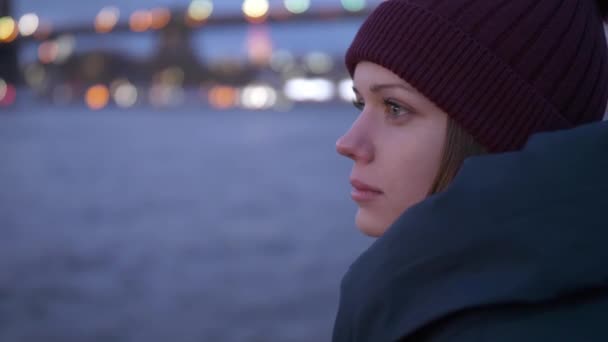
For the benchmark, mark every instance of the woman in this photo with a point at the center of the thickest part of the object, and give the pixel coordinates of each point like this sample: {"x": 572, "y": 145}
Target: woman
{"x": 481, "y": 166}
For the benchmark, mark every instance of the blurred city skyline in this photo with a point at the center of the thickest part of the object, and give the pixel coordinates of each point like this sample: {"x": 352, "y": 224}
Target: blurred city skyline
{"x": 79, "y": 11}
{"x": 252, "y": 54}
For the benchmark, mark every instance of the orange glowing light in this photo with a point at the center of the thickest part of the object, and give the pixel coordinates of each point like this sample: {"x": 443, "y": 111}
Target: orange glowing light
{"x": 8, "y": 30}
{"x": 160, "y": 18}
{"x": 107, "y": 19}
{"x": 48, "y": 52}
{"x": 223, "y": 97}
{"x": 256, "y": 20}
{"x": 140, "y": 21}
{"x": 97, "y": 97}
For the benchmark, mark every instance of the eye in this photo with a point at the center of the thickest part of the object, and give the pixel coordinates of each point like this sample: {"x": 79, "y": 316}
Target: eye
{"x": 358, "y": 104}
{"x": 395, "y": 110}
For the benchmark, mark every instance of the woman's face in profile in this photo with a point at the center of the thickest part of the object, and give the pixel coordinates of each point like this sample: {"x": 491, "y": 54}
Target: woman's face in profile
{"x": 396, "y": 144}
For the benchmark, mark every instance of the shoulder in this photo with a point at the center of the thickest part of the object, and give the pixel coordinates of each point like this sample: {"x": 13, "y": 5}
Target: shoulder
{"x": 580, "y": 317}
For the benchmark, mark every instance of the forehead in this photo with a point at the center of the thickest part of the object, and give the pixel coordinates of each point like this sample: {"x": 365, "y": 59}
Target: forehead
{"x": 368, "y": 73}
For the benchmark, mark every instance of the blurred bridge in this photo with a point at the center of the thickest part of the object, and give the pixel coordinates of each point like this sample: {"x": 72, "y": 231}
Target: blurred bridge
{"x": 173, "y": 28}
{"x": 179, "y": 18}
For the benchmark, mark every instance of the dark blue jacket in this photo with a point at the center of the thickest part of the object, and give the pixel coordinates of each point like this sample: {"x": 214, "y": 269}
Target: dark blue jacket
{"x": 516, "y": 249}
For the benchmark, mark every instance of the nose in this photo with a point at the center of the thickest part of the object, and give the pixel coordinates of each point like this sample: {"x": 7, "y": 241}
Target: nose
{"x": 356, "y": 144}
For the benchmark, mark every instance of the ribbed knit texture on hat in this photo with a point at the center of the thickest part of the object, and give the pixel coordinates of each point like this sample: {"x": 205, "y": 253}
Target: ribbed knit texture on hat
{"x": 502, "y": 69}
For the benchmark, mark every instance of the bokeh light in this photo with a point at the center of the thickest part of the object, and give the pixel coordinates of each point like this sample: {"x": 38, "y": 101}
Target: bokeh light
{"x": 140, "y": 21}
{"x": 173, "y": 76}
{"x": 48, "y": 52}
{"x": 223, "y": 97}
{"x": 8, "y": 30}
{"x": 163, "y": 95}
{"x": 124, "y": 93}
{"x": 160, "y": 18}
{"x": 315, "y": 89}
{"x": 297, "y": 6}
{"x": 65, "y": 47}
{"x": 28, "y": 24}
{"x": 345, "y": 90}
{"x": 107, "y": 19}
{"x": 319, "y": 62}
{"x": 353, "y": 5}
{"x": 282, "y": 60}
{"x": 3, "y": 87}
{"x": 97, "y": 97}
{"x": 259, "y": 45}
{"x": 258, "y": 96}
{"x": 200, "y": 10}
{"x": 116, "y": 83}
{"x": 256, "y": 10}
{"x": 8, "y": 93}
{"x": 35, "y": 75}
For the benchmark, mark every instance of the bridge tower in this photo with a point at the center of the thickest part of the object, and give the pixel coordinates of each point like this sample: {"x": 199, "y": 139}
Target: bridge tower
{"x": 9, "y": 67}
{"x": 175, "y": 48}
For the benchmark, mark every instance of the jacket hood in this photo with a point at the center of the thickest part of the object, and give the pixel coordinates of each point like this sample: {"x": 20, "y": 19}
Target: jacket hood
{"x": 518, "y": 227}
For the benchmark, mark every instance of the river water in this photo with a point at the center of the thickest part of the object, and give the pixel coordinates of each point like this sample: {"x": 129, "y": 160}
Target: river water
{"x": 190, "y": 225}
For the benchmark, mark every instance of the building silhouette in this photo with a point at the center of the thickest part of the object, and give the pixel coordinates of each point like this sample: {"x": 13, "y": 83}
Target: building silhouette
{"x": 9, "y": 70}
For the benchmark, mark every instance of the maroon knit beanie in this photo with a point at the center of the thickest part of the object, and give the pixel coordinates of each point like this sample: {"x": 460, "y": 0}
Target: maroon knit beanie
{"x": 502, "y": 69}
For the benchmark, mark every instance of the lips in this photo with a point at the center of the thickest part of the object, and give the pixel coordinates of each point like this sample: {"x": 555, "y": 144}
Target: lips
{"x": 363, "y": 192}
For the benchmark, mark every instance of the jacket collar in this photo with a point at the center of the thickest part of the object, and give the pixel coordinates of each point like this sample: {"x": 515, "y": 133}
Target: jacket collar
{"x": 523, "y": 226}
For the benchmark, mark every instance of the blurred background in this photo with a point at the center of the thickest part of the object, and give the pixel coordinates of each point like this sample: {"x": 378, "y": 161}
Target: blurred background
{"x": 168, "y": 169}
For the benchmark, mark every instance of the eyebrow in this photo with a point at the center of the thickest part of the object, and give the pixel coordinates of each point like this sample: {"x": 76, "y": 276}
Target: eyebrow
{"x": 374, "y": 88}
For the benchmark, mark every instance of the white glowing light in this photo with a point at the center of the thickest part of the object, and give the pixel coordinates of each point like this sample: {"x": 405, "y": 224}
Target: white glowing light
{"x": 65, "y": 48}
{"x": 125, "y": 95}
{"x": 28, "y": 24}
{"x": 316, "y": 89}
{"x": 258, "y": 97}
{"x": 345, "y": 89}
{"x": 200, "y": 10}
{"x": 255, "y": 8}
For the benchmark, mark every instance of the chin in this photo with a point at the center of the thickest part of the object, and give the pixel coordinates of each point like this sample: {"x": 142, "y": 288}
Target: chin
{"x": 370, "y": 224}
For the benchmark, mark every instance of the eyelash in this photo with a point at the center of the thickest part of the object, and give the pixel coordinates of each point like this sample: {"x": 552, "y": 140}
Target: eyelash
{"x": 389, "y": 104}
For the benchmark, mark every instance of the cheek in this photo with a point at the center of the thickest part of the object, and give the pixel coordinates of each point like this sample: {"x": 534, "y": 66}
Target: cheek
{"x": 414, "y": 169}
{"x": 405, "y": 164}
{"x": 411, "y": 183}
{"x": 408, "y": 177}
